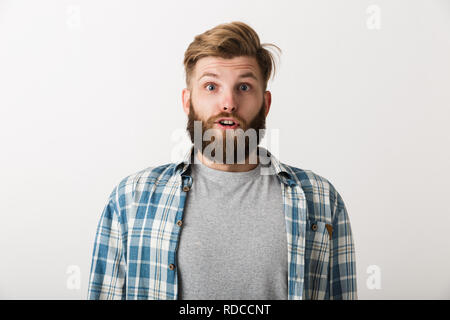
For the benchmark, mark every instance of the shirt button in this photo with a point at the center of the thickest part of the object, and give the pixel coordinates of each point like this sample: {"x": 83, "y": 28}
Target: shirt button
{"x": 314, "y": 227}
{"x": 179, "y": 223}
{"x": 185, "y": 188}
{"x": 171, "y": 266}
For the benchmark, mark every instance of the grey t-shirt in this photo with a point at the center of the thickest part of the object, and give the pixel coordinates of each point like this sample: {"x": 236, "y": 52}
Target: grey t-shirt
{"x": 233, "y": 242}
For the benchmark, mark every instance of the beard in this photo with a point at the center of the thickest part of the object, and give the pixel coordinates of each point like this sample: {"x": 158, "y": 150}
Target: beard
{"x": 233, "y": 140}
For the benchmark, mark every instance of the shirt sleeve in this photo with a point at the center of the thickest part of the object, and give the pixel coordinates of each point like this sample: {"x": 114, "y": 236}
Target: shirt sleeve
{"x": 342, "y": 256}
{"x": 108, "y": 269}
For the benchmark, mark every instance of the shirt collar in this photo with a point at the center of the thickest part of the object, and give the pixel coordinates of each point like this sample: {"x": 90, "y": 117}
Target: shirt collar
{"x": 274, "y": 166}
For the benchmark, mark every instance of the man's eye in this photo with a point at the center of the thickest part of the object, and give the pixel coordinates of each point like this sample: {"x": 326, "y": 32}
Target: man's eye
{"x": 245, "y": 86}
{"x": 209, "y": 85}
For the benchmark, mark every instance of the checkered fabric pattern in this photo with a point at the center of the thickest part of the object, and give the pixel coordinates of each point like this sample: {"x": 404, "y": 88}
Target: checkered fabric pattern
{"x": 134, "y": 253}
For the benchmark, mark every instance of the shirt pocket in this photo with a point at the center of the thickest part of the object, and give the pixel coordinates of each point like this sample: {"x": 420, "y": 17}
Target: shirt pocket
{"x": 317, "y": 257}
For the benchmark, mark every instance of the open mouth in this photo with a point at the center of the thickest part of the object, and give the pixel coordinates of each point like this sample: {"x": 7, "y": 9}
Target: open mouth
{"x": 227, "y": 124}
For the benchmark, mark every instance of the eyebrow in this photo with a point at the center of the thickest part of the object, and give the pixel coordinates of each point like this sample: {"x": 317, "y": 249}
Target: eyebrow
{"x": 213, "y": 75}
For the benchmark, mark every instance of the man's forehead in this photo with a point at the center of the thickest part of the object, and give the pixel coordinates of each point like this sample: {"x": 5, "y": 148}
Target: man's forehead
{"x": 207, "y": 64}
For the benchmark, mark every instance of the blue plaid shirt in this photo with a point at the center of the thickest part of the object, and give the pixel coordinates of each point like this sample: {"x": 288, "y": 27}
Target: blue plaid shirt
{"x": 134, "y": 254}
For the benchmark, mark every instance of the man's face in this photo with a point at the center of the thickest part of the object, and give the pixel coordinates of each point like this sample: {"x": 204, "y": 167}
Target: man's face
{"x": 226, "y": 88}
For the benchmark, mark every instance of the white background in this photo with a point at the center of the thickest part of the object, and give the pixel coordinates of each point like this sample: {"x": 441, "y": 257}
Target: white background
{"x": 90, "y": 92}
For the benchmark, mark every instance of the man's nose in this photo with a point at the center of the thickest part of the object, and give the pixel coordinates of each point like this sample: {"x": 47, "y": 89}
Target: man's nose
{"x": 229, "y": 103}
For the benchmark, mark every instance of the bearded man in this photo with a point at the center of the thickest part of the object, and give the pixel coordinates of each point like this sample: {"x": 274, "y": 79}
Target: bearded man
{"x": 215, "y": 225}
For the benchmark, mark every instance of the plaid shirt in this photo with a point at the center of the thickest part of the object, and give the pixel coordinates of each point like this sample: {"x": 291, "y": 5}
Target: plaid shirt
{"x": 134, "y": 254}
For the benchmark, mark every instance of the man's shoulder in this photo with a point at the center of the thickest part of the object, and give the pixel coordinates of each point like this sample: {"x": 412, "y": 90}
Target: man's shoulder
{"x": 145, "y": 178}
{"x": 312, "y": 182}
{"x": 322, "y": 197}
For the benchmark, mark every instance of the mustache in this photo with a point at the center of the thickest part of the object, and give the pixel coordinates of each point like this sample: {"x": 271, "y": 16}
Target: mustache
{"x": 257, "y": 122}
{"x": 214, "y": 119}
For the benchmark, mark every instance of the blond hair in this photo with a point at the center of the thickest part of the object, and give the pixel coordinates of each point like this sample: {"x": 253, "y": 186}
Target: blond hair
{"x": 229, "y": 40}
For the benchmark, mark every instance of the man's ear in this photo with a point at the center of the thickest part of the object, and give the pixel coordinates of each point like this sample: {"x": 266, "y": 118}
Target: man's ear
{"x": 267, "y": 100}
{"x": 185, "y": 97}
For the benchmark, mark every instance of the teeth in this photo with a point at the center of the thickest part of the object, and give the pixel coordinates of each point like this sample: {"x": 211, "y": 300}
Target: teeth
{"x": 227, "y": 122}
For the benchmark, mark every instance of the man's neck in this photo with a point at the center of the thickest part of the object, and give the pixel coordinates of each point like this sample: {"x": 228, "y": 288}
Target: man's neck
{"x": 228, "y": 167}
